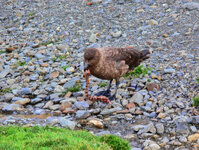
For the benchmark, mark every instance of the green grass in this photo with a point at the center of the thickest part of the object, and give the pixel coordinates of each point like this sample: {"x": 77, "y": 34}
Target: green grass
{"x": 46, "y": 43}
{"x": 103, "y": 84}
{"x": 4, "y": 91}
{"x": 196, "y": 101}
{"x": 2, "y": 52}
{"x": 63, "y": 57}
{"x": 54, "y": 59}
{"x": 20, "y": 63}
{"x": 197, "y": 80}
{"x": 64, "y": 67}
{"x": 75, "y": 88}
{"x": 53, "y": 138}
{"x": 138, "y": 71}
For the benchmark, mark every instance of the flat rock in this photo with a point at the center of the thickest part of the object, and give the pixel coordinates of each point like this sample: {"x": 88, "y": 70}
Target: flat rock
{"x": 22, "y": 101}
{"x": 191, "y": 5}
{"x": 82, "y": 114}
{"x": 12, "y": 107}
{"x": 110, "y": 111}
{"x": 81, "y": 105}
{"x": 137, "y": 98}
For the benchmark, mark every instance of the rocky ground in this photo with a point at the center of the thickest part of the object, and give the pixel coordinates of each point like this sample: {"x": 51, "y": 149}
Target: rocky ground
{"x": 41, "y": 56}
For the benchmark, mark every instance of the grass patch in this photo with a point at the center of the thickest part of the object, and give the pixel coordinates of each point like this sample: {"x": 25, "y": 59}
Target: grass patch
{"x": 196, "y": 101}
{"x": 63, "y": 57}
{"x": 64, "y": 67}
{"x": 75, "y": 88}
{"x": 2, "y": 52}
{"x": 4, "y": 91}
{"x": 20, "y": 63}
{"x": 54, "y": 59}
{"x": 197, "y": 80}
{"x": 138, "y": 71}
{"x": 53, "y": 138}
{"x": 103, "y": 84}
{"x": 46, "y": 43}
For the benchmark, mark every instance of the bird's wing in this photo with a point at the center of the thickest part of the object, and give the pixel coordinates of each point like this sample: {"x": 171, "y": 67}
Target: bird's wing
{"x": 124, "y": 56}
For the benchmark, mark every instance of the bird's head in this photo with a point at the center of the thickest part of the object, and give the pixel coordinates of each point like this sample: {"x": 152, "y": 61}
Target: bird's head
{"x": 91, "y": 58}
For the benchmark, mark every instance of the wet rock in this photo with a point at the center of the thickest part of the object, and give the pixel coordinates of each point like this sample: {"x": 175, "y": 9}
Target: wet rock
{"x": 82, "y": 114}
{"x": 66, "y": 123}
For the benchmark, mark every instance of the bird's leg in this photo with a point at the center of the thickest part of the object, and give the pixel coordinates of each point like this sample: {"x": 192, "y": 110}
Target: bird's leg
{"x": 106, "y": 93}
{"x": 114, "y": 95}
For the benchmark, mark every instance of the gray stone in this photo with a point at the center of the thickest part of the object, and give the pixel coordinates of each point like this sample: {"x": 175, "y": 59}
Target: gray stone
{"x": 193, "y": 129}
{"x": 24, "y": 91}
{"x": 191, "y": 5}
{"x": 170, "y": 70}
{"x": 181, "y": 124}
{"x": 154, "y": 146}
{"x": 159, "y": 128}
{"x": 82, "y": 114}
{"x": 110, "y": 111}
{"x": 81, "y": 105}
{"x": 12, "y": 107}
{"x": 93, "y": 38}
{"x": 4, "y": 73}
{"x": 70, "y": 83}
{"x": 183, "y": 139}
{"x": 70, "y": 70}
{"x": 8, "y": 97}
{"x": 137, "y": 98}
{"x": 148, "y": 128}
{"x": 102, "y": 133}
{"x": 116, "y": 34}
{"x": 36, "y": 100}
{"x": 66, "y": 123}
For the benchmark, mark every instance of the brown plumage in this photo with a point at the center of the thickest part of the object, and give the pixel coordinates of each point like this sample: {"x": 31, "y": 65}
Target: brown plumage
{"x": 111, "y": 62}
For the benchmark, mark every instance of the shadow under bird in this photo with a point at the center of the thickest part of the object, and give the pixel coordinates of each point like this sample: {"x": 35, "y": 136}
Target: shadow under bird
{"x": 110, "y": 63}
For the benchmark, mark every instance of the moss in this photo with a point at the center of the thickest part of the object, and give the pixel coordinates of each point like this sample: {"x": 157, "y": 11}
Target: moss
{"x": 197, "y": 80}
{"x": 40, "y": 138}
{"x": 20, "y": 63}
{"x": 196, "y": 101}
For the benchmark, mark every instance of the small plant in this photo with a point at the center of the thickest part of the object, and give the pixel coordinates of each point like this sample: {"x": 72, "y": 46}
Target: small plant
{"x": 47, "y": 43}
{"x": 64, "y": 67}
{"x": 63, "y": 57}
{"x": 115, "y": 142}
{"x": 138, "y": 70}
{"x": 1, "y": 52}
{"x": 196, "y": 101}
{"x": 75, "y": 88}
{"x": 4, "y": 91}
{"x": 20, "y": 63}
{"x": 54, "y": 59}
{"x": 103, "y": 84}
{"x": 197, "y": 80}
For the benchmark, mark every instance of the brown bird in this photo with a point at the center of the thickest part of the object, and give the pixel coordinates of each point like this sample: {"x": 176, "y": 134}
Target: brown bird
{"x": 110, "y": 63}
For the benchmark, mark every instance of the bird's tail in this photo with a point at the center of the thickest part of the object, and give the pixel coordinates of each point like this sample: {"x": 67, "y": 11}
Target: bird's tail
{"x": 145, "y": 54}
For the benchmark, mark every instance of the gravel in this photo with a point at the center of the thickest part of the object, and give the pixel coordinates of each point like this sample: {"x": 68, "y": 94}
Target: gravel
{"x": 41, "y": 57}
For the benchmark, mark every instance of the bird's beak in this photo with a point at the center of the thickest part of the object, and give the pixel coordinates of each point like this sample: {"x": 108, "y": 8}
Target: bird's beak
{"x": 85, "y": 66}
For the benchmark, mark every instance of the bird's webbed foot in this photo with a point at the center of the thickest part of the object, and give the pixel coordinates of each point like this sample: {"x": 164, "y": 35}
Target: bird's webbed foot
{"x": 106, "y": 93}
